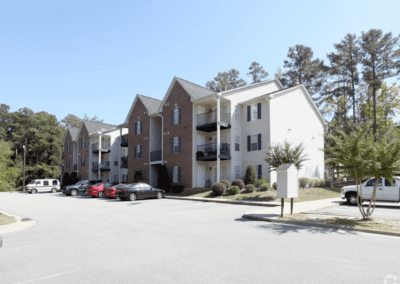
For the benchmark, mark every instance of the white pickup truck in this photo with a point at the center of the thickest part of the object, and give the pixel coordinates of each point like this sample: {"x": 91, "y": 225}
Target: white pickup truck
{"x": 385, "y": 191}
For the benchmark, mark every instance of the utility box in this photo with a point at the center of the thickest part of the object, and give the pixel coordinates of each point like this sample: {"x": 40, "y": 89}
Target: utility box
{"x": 287, "y": 181}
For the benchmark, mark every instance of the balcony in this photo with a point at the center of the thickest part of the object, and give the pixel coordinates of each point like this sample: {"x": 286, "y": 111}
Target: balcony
{"x": 105, "y": 165}
{"x": 95, "y": 167}
{"x": 208, "y": 152}
{"x": 104, "y": 149}
{"x": 75, "y": 167}
{"x": 124, "y": 162}
{"x": 124, "y": 142}
{"x": 155, "y": 156}
{"x": 207, "y": 122}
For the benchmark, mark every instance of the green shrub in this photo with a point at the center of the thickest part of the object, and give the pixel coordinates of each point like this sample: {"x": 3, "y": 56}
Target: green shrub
{"x": 234, "y": 189}
{"x": 250, "y": 188}
{"x": 327, "y": 183}
{"x": 265, "y": 187}
{"x": 303, "y": 181}
{"x": 319, "y": 182}
{"x": 238, "y": 182}
{"x": 218, "y": 188}
{"x": 226, "y": 182}
{"x": 274, "y": 185}
{"x": 260, "y": 182}
{"x": 251, "y": 175}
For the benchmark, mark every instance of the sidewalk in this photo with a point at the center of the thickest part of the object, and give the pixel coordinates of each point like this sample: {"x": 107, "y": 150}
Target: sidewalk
{"x": 21, "y": 224}
{"x": 229, "y": 201}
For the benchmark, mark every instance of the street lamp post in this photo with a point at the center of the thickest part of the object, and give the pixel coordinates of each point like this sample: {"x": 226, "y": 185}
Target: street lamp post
{"x": 23, "y": 189}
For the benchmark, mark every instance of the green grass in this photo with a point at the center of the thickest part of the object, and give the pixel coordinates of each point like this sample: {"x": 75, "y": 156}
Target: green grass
{"x": 377, "y": 224}
{"x": 5, "y": 219}
{"x": 305, "y": 194}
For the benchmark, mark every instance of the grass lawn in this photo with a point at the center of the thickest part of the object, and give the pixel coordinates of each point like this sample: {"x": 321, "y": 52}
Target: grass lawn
{"x": 5, "y": 220}
{"x": 377, "y": 224}
{"x": 305, "y": 194}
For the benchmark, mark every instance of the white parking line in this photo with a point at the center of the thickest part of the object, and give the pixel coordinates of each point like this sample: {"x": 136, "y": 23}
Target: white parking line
{"x": 19, "y": 248}
{"x": 47, "y": 277}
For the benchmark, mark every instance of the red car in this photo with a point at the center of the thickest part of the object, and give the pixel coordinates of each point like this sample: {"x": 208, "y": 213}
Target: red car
{"x": 110, "y": 191}
{"x": 97, "y": 190}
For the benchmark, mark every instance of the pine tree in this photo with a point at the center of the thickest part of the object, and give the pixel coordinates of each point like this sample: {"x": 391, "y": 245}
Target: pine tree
{"x": 257, "y": 72}
{"x": 226, "y": 81}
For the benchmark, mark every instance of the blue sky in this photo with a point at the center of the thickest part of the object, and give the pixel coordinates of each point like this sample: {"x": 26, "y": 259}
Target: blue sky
{"x": 93, "y": 57}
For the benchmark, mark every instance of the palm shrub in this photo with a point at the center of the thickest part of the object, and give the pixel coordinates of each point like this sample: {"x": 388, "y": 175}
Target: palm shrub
{"x": 226, "y": 182}
{"x": 303, "y": 181}
{"x": 265, "y": 186}
{"x": 274, "y": 185}
{"x": 250, "y": 188}
{"x": 218, "y": 188}
{"x": 238, "y": 182}
{"x": 233, "y": 190}
{"x": 250, "y": 176}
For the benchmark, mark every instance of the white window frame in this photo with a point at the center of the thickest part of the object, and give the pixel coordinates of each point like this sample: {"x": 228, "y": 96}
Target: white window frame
{"x": 254, "y": 112}
{"x": 176, "y": 116}
{"x": 176, "y": 145}
{"x": 237, "y": 113}
{"x": 138, "y": 129}
{"x": 175, "y": 175}
{"x": 252, "y": 137}
{"x": 137, "y": 151}
{"x": 237, "y": 141}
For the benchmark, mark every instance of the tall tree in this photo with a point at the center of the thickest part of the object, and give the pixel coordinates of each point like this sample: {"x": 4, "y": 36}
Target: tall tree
{"x": 278, "y": 73}
{"x": 71, "y": 120}
{"x": 302, "y": 69}
{"x": 94, "y": 118}
{"x": 257, "y": 72}
{"x": 226, "y": 81}
{"x": 379, "y": 59}
{"x": 345, "y": 60}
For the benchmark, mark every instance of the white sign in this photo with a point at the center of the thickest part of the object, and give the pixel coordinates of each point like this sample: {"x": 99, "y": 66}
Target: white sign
{"x": 287, "y": 181}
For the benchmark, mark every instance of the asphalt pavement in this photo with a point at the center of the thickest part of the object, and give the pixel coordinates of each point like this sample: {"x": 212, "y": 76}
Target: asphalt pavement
{"x": 87, "y": 240}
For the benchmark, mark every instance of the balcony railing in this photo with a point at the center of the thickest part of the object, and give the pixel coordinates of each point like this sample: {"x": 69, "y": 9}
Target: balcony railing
{"x": 208, "y": 152}
{"x": 208, "y": 121}
{"x": 124, "y": 162}
{"x": 95, "y": 166}
{"x": 105, "y": 165}
{"x": 104, "y": 149}
{"x": 155, "y": 156}
{"x": 124, "y": 142}
{"x": 75, "y": 167}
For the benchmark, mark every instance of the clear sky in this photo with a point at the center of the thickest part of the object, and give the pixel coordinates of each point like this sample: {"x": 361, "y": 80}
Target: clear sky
{"x": 93, "y": 57}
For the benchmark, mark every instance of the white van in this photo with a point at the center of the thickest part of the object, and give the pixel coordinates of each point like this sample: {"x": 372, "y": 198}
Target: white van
{"x": 39, "y": 185}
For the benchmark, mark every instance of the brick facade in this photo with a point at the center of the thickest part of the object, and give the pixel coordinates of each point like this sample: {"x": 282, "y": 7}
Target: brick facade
{"x": 183, "y": 159}
{"x": 143, "y": 139}
{"x": 68, "y": 156}
{"x": 83, "y": 170}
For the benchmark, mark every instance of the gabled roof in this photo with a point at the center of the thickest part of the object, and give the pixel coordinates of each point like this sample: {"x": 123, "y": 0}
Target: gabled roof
{"x": 73, "y": 131}
{"x": 93, "y": 127}
{"x": 195, "y": 91}
{"x": 150, "y": 104}
{"x": 251, "y": 86}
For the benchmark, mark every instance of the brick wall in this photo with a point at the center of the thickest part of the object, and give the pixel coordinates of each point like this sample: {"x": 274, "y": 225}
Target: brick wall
{"x": 68, "y": 156}
{"x": 83, "y": 153}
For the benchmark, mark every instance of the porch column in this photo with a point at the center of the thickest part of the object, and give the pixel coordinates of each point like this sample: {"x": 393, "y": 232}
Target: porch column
{"x": 218, "y": 136}
{"x": 99, "y": 174}
{"x": 120, "y": 155}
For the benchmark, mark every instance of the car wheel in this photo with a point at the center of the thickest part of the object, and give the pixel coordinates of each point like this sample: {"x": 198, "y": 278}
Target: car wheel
{"x": 54, "y": 190}
{"x": 74, "y": 192}
{"x": 352, "y": 199}
{"x": 34, "y": 191}
{"x": 132, "y": 197}
{"x": 159, "y": 195}
{"x": 100, "y": 194}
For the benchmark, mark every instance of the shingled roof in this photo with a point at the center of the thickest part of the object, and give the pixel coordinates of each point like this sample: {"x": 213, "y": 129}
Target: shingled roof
{"x": 74, "y": 132}
{"x": 93, "y": 127}
{"x": 150, "y": 104}
{"x": 195, "y": 91}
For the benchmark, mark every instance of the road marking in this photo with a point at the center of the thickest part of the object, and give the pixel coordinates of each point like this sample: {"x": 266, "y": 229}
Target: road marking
{"x": 19, "y": 248}
{"x": 47, "y": 277}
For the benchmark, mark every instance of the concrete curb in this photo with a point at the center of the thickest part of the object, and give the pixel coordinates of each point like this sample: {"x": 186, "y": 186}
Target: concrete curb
{"x": 21, "y": 224}
{"x": 328, "y": 226}
{"x": 227, "y": 201}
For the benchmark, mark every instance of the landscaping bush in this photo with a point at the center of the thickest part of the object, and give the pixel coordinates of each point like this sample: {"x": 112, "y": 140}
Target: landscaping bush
{"x": 218, "y": 188}
{"x": 238, "y": 182}
{"x": 226, "y": 182}
{"x": 234, "y": 189}
{"x": 274, "y": 185}
{"x": 177, "y": 188}
{"x": 251, "y": 175}
{"x": 319, "y": 182}
{"x": 250, "y": 188}
{"x": 265, "y": 187}
{"x": 260, "y": 182}
{"x": 303, "y": 181}
{"x": 327, "y": 183}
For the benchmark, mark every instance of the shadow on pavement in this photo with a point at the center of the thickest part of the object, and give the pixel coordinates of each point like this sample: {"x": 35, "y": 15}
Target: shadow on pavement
{"x": 281, "y": 229}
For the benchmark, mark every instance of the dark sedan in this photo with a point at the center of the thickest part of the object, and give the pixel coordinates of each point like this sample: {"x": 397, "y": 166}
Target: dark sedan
{"x": 138, "y": 191}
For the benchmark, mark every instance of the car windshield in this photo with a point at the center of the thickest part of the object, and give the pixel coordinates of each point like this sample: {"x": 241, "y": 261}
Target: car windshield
{"x": 97, "y": 184}
{"x": 32, "y": 182}
{"x": 79, "y": 182}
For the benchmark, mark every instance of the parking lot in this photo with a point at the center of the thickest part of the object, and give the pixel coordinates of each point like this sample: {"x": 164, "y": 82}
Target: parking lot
{"x": 89, "y": 240}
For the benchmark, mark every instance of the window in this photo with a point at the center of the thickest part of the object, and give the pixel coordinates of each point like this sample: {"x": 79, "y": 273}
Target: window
{"x": 176, "y": 145}
{"x": 237, "y": 143}
{"x": 175, "y": 175}
{"x": 258, "y": 169}
{"x": 115, "y": 161}
{"x": 371, "y": 182}
{"x": 115, "y": 178}
{"x": 176, "y": 116}
{"x": 83, "y": 144}
{"x": 138, "y": 152}
{"x": 254, "y": 112}
{"x": 38, "y": 182}
{"x": 237, "y": 113}
{"x": 139, "y": 128}
{"x": 225, "y": 173}
{"x": 237, "y": 172}
{"x": 125, "y": 178}
{"x": 46, "y": 182}
{"x": 83, "y": 177}
{"x": 55, "y": 182}
{"x": 253, "y": 142}
{"x": 82, "y": 161}
{"x": 67, "y": 166}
